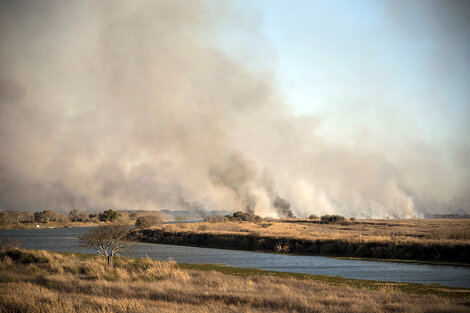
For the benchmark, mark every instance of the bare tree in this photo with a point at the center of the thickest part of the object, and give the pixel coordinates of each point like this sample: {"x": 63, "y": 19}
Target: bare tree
{"x": 78, "y": 216}
{"x": 108, "y": 240}
{"x": 45, "y": 216}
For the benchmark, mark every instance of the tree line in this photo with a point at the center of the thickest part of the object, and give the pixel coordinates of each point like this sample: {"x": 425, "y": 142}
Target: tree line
{"x": 140, "y": 217}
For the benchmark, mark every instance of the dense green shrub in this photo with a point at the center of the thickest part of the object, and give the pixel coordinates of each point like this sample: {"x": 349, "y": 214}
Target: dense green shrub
{"x": 109, "y": 215}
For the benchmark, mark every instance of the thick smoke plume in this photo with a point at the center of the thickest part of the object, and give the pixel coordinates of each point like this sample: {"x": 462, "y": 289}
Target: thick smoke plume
{"x": 283, "y": 206}
{"x": 131, "y": 105}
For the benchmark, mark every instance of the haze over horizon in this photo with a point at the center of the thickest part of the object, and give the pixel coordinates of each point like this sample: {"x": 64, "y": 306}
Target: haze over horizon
{"x": 326, "y": 107}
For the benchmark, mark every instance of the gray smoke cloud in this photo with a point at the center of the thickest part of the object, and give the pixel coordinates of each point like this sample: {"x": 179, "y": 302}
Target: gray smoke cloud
{"x": 130, "y": 105}
{"x": 237, "y": 174}
{"x": 283, "y": 207}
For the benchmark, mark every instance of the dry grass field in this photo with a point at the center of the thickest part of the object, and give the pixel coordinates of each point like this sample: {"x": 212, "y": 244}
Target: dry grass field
{"x": 368, "y": 230}
{"x": 40, "y": 281}
{"x": 440, "y": 240}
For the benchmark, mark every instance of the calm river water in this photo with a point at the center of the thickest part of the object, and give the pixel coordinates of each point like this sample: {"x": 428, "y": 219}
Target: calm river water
{"x": 66, "y": 239}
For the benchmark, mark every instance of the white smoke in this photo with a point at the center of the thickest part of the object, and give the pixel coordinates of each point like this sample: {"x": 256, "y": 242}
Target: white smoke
{"x": 128, "y": 104}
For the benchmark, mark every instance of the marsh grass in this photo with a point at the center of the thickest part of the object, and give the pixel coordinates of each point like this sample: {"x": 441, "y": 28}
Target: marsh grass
{"x": 419, "y": 240}
{"x": 448, "y": 230}
{"x": 67, "y": 282}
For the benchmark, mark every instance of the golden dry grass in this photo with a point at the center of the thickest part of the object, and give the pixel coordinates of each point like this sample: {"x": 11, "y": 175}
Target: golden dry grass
{"x": 445, "y": 241}
{"x": 55, "y": 282}
{"x": 447, "y": 230}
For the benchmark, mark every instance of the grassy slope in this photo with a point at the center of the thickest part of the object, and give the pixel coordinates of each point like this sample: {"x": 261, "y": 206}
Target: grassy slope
{"x": 409, "y": 288}
{"x": 40, "y": 281}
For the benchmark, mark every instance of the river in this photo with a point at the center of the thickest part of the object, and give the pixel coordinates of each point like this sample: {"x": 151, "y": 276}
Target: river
{"x": 66, "y": 239}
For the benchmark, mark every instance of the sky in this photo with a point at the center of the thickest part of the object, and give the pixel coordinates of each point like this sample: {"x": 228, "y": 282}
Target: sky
{"x": 395, "y": 68}
{"x": 279, "y": 108}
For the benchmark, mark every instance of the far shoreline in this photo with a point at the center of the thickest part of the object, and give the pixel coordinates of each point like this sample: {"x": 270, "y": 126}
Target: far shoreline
{"x": 49, "y": 226}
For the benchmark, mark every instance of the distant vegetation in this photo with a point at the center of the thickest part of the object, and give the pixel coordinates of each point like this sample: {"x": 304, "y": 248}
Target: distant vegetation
{"x": 250, "y": 217}
{"x": 16, "y": 219}
{"x": 109, "y": 216}
{"x": 237, "y": 216}
{"x": 216, "y": 219}
{"x": 454, "y": 215}
{"x": 42, "y": 281}
{"x": 149, "y": 220}
{"x": 332, "y": 219}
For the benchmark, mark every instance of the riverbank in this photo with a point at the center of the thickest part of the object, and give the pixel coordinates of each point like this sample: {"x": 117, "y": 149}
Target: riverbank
{"x": 49, "y": 225}
{"x": 41, "y": 281}
{"x": 413, "y": 240}
{"x": 405, "y": 261}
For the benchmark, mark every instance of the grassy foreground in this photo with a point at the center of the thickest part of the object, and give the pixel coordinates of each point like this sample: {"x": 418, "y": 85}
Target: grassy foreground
{"x": 442, "y": 241}
{"x": 41, "y": 281}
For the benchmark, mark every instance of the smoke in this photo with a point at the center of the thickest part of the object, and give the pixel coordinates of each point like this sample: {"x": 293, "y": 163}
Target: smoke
{"x": 130, "y": 104}
{"x": 283, "y": 206}
{"x": 236, "y": 174}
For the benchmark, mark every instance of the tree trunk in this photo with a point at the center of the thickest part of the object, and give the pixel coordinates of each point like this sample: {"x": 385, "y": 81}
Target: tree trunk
{"x": 109, "y": 258}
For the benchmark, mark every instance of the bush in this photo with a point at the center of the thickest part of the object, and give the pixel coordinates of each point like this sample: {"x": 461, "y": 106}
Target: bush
{"x": 13, "y": 217}
{"x": 109, "y": 215}
{"x": 246, "y": 217}
{"x": 332, "y": 219}
{"x": 124, "y": 217}
{"x": 78, "y": 216}
{"x": 236, "y": 217}
{"x": 45, "y": 216}
{"x": 148, "y": 221}
{"x": 313, "y": 217}
{"x": 216, "y": 219}
{"x": 93, "y": 217}
{"x": 22, "y": 256}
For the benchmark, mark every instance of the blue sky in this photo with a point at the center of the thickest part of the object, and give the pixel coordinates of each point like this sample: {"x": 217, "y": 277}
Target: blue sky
{"x": 385, "y": 70}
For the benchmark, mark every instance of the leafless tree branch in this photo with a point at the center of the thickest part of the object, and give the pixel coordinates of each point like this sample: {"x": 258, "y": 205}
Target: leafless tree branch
{"x": 108, "y": 240}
